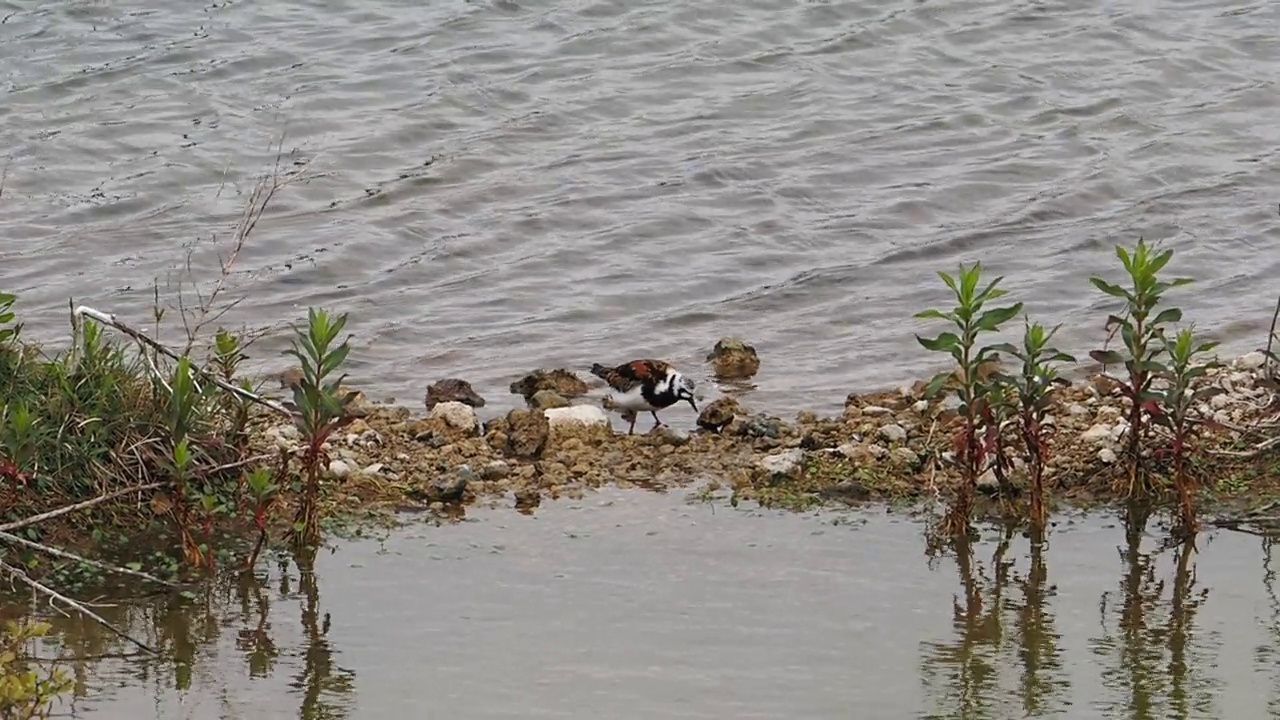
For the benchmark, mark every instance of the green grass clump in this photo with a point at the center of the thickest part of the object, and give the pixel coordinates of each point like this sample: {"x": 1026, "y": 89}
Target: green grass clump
{"x": 106, "y": 415}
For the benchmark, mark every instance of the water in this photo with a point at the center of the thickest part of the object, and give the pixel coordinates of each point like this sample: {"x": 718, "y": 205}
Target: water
{"x": 502, "y": 184}
{"x": 638, "y": 605}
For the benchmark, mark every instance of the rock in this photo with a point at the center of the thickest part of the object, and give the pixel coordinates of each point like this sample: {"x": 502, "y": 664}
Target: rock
{"x": 1107, "y": 455}
{"x": 987, "y": 482}
{"x": 921, "y": 407}
{"x": 452, "y": 390}
{"x": 339, "y": 469}
{"x": 290, "y": 377}
{"x": 495, "y": 470}
{"x": 457, "y": 416}
{"x": 1097, "y": 434}
{"x": 527, "y": 432}
{"x": 904, "y": 457}
{"x": 451, "y": 487}
{"x": 1250, "y": 361}
{"x": 762, "y": 426}
{"x": 876, "y": 410}
{"x": 877, "y": 451}
{"x": 715, "y": 416}
{"x": 733, "y": 359}
{"x": 849, "y": 450}
{"x": 892, "y": 433}
{"x": 1077, "y": 409}
{"x": 528, "y": 498}
{"x": 674, "y": 437}
{"x": 847, "y": 490}
{"x": 563, "y": 382}
{"x": 547, "y": 399}
{"x": 584, "y": 414}
{"x": 1218, "y": 402}
{"x": 782, "y": 463}
{"x": 373, "y": 469}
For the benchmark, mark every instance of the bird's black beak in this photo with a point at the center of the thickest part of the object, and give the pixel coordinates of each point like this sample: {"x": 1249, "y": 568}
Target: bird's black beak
{"x": 693, "y": 404}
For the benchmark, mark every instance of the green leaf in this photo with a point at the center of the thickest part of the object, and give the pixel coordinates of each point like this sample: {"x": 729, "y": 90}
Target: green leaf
{"x": 933, "y": 315}
{"x": 1107, "y": 357}
{"x": 935, "y": 385}
{"x": 943, "y": 343}
{"x": 1112, "y": 290}
{"x": 1168, "y": 315}
{"x": 992, "y": 319}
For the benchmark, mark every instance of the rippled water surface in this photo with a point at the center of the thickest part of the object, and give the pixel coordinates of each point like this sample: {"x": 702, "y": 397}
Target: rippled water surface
{"x": 501, "y": 184}
{"x": 637, "y": 605}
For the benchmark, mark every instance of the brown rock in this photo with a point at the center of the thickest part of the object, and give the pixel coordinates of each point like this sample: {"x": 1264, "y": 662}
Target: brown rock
{"x": 733, "y": 359}
{"x": 717, "y": 415}
{"x": 452, "y": 390}
{"x": 527, "y": 433}
{"x": 563, "y": 382}
{"x": 546, "y": 399}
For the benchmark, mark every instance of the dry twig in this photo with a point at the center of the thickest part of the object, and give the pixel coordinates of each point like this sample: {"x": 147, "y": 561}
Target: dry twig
{"x": 16, "y": 524}
{"x": 9, "y": 537}
{"x": 21, "y": 576}
{"x": 109, "y": 319}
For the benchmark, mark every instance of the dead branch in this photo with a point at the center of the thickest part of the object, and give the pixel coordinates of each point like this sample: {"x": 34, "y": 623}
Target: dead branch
{"x": 52, "y": 594}
{"x": 1254, "y": 452}
{"x": 1270, "y": 358}
{"x": 256, "y": 207}
{"x": 109, "y": 319}
{"x": 9, "y": 537}
{"x": 16, "y": 524}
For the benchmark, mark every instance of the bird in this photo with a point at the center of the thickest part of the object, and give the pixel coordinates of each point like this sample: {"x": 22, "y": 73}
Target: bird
{"x": 644, "y": 385}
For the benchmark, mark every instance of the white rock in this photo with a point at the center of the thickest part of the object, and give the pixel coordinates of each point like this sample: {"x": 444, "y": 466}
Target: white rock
{"x": 1097, "y": 434}
{"x": 584, "y": 414}
{"x": 783, "y": 462}
{"x": 848, "y": 450}
{"x": 988, "y": 479}
{"x": 373, "y": 469}
{"x": 1250, "y": 361}
{"x": 456, "y": 414}
{"x": 921, "y": 406}
{"x": 1077, "y": 409}
{"x": 875, "y": 410}
{"x": 1240, "y": 381}
{"x": 904, "y": 456}
{"x": 1108, "y": 411}
{"x": 1222, "y": 417}
{"x": 1119, "y": 430}
{"x": 1107, "y": 455}
{"x": 893, "y": 433}
{"x": 1218, "y": 402}
{"x": 877, "y": 451}
{"x": 339, "y": 469}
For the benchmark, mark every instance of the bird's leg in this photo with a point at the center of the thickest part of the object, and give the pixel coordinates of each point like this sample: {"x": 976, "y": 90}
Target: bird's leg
{"x": 632, "y": 429}
{"x": 656, "y": 422}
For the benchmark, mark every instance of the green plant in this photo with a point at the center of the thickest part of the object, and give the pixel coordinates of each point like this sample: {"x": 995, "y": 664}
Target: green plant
{"x": 1140, "y": 327}
{"x": 9, "y": 328}
{"x": 969, "y": 320}
{"x": 264, "y": 490}
{"x": 1032, "y": 395}
{"x": 1176, "y": 410}
{"x": 24, "y": 692}
{"x": 320, "y": 407}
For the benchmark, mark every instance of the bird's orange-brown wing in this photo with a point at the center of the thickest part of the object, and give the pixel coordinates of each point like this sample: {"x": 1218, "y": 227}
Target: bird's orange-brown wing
{"x": 627, "y": 376}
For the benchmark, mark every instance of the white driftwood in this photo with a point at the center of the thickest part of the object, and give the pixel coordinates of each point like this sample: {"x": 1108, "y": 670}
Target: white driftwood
{"x": 110, "y": 319}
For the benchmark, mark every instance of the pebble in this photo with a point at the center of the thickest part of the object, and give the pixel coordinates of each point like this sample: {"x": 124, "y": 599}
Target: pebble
{"x": 585, "y": 414}
{"x": 893, "y": 433}
{"x": 339, "y": 469}
{"x": 904, "y": 456}
{"x": 876, "y": 410}
{"x": 1097, "y": 434}
{"x": 921, "y": 407}
{"x": 457, "y": 415}
{"x": 783, "y": 462}
{"x": 1077, "y": 409}
{"x": 1107, "y": 455}
{"x": 1250, "y": 361}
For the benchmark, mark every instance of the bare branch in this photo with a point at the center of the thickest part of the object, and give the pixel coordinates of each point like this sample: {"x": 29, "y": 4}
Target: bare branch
{"x": 9, "y": 537}
{"x": 52, "y": 594}
{"x": 78, "y": 506}
{"x": 108, "y": 319}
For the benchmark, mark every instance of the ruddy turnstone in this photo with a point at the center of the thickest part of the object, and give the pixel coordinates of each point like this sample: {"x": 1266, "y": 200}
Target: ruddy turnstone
{"x": 644, "y": 386}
